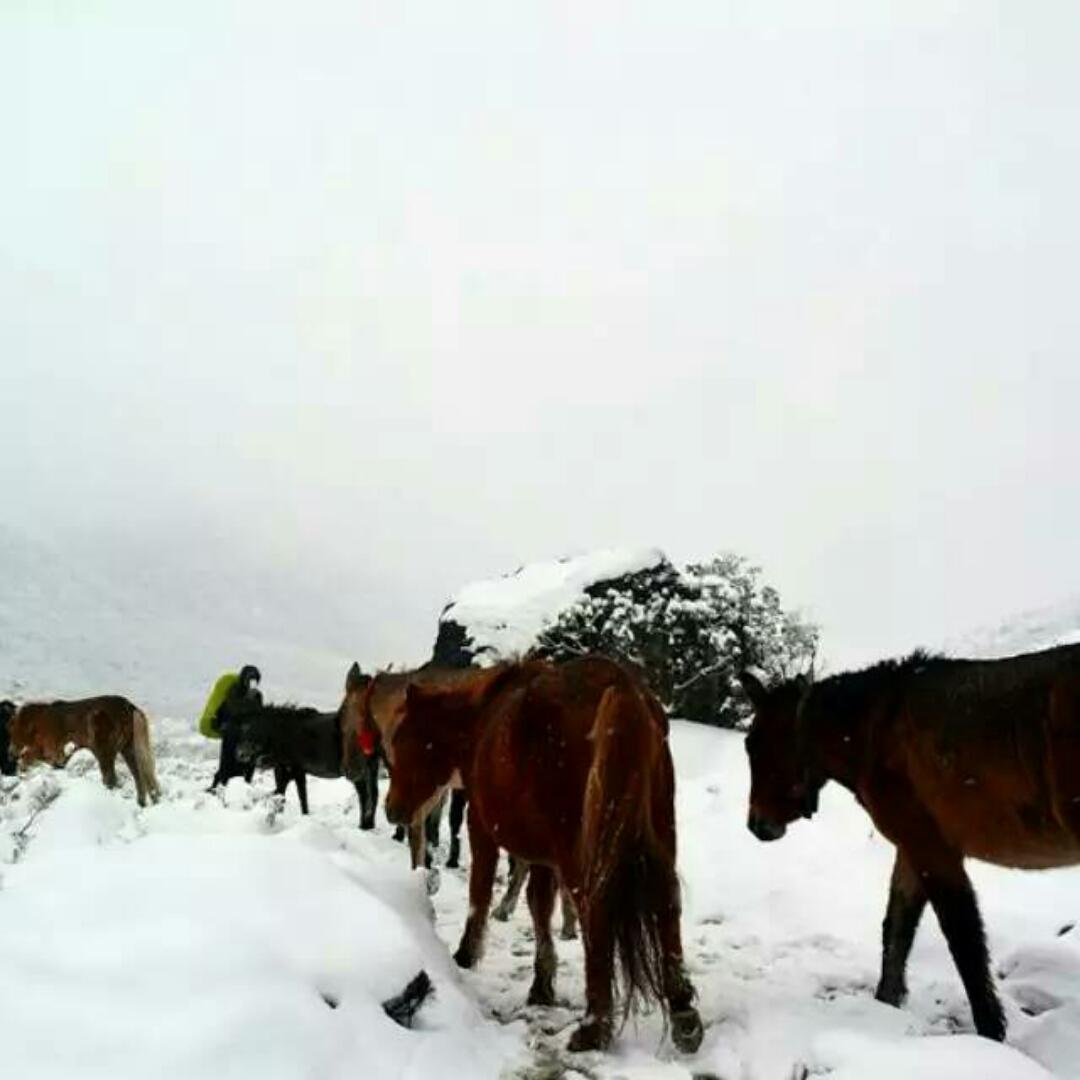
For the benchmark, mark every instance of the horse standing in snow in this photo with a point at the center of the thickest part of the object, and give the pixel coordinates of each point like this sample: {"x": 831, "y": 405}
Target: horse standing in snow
{"x": 106, "y": 726}
{"x": 568, "y": 768}
{"x": 951, "y": 759}
{"x": 295, "y": 741}
{"x": 370, "y": 713}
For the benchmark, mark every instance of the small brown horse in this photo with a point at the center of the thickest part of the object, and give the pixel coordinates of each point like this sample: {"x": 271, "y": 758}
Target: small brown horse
{"x": 951, "y": 759}
{"x": 568, "y": 768}
{"x": 372, "y": 705}
{"x": 106, "y": 726}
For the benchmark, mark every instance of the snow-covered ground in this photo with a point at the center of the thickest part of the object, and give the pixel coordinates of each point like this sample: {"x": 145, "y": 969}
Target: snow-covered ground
{"x": 206, "y": 937}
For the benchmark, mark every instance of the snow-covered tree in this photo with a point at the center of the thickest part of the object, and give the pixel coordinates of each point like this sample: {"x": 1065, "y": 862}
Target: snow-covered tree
{"x": 690, "y": 631}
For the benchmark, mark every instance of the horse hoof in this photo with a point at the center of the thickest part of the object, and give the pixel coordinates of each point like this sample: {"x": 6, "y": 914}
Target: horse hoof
{"x": 500, "y": 914}
{"x": 590, "y": 1035}
{"x": 568, "y": 933}
{"x": 464, "y": 958}
{"x": 452, "y": 863}
{"x": 687, "y": 1030}
{"x": 367, "y": 826}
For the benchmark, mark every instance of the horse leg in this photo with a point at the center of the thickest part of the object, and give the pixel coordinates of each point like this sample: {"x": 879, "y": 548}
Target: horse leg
{"x": 907, "y": 901}
{"x": 541, "y": 897}
{"x": 569, "y": 914}
{"x": 106, "y": 758}
{"x": 458, "y": 799}
{"x": 281, "y": 781}
{"x": 594, "y": 1031}
{"x": 686, "y": 1027}
{"x": 519, "y": 870}
{"x": 132, "y": 763}
{"x": 953, "y": 900}
{"x": 417, "y": 846}
{"x": 431, "y": 831}
{"x": 367, "y": 790}
{"x": 485, "y": 857}
{"x": 300, "y": 779}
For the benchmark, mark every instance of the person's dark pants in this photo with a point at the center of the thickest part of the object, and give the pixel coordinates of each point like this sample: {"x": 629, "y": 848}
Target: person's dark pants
{"x": 229, "y": 766}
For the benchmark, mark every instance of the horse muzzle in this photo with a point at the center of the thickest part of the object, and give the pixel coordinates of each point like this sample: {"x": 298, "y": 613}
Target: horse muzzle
{"x": 394, "y": 813}
{"x": 764, "y": 829}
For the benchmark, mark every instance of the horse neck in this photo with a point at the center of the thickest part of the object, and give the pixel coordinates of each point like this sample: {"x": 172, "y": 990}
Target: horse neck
{"x": 837, "y": 740}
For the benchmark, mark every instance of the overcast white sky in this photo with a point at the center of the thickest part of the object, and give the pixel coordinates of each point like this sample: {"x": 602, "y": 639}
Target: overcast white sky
{"x": 406, "y": 294}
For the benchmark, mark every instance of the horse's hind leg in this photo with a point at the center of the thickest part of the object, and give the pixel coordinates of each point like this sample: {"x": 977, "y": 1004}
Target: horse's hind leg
{"x": 458, "y": 799}
{"x": 686, "y": 1027}
{"x": 907, "y": 901}
{"x": 569, "y": 914}
{"x": 106, "y": 758}
{"x": 485, "y": 856}
{"x": 300, "y": 779}
{"x": 132, "y": 763}
{"x": 519, "y": 870}
{"x": 953, "y": 899}
{"x": 594, "y": 1032}
{"x": 541, "y": 896}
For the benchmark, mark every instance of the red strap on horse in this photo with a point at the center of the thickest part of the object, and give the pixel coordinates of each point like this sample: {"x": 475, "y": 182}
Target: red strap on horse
{"x": 366, "y": 738}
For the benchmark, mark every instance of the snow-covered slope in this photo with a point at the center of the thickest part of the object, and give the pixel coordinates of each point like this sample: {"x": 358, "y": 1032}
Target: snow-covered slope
{"x": 210, "y": 938}
{"x": 1029, "y": 631}
{"x": 501, "y": 617}
{"x": 84, "y": 621}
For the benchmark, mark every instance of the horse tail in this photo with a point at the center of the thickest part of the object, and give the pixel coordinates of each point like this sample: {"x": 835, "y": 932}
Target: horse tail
{"x": 629, "y": 884}
{"x": 144, "y": 755}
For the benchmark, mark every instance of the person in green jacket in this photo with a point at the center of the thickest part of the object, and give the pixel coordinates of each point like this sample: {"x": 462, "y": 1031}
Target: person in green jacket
{"x": 231, "y": 693}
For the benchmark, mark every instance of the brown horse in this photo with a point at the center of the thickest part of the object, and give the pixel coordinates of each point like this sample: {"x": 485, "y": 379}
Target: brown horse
{"x": 951, "y": 758}
{"x": 568, "y": 768}
{"x": 372, "y": 705}
{"x": 106, "y": 726}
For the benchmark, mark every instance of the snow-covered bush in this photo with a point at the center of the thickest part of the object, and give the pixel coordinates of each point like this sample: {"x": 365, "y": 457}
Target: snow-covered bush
{"x": 690, "y": 631}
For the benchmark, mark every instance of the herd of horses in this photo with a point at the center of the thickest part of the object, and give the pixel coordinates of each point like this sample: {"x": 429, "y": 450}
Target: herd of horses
{"x": 567, "y": 768}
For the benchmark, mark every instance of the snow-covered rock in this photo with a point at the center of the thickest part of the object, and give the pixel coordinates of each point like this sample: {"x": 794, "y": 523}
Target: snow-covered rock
{"x": 501, "y": 617}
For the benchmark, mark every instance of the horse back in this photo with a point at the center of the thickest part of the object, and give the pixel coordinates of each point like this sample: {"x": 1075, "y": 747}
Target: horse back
{"x": 536, "y": 746}
{"x": 992, "y": 749}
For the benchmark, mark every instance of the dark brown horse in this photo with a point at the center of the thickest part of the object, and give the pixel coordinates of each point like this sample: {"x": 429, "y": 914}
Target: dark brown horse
{"x": 568, "y": 768}
{"x": 951, "y": 759}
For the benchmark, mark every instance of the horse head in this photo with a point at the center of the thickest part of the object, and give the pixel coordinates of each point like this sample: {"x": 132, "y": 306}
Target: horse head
{"x": 425, "y": 751}
{"x": 782, "y": 786}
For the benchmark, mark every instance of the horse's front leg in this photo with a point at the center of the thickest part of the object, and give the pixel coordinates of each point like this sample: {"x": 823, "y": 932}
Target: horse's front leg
{"x": 458, "y": 799}
{"x": 367, "y": 791}
{"x": 417, "y": 845}
{"x": 907, "y": 901}
{"x": 485, "y": 857}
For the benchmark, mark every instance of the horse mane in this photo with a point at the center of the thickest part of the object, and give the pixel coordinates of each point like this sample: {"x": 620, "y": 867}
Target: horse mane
{"x": 852, "y": 692}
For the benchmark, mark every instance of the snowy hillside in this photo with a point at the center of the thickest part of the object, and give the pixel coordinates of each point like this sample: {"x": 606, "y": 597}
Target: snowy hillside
{"x": 501, "y": 617}
{"x": 1028, "y": 631}
{"x": 76, "y": 622}
{"x": 225, "y": 939}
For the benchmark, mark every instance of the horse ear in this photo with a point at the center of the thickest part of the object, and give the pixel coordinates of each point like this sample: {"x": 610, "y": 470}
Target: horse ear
{"x": 355, "y": 679}
{"x": 754, "y": 687}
